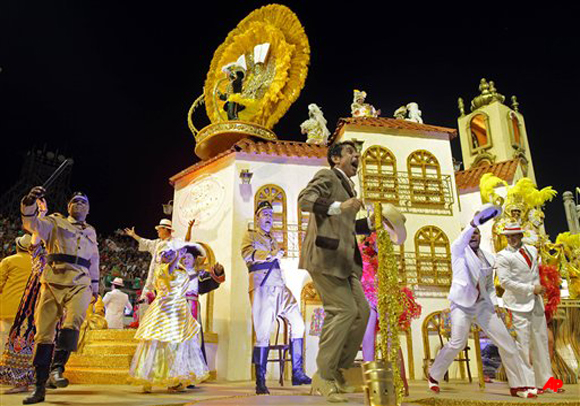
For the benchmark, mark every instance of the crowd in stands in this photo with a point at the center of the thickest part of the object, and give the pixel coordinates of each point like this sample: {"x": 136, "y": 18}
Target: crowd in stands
{"x": 120, "y": 258}
{"x": 10, "y": 228}
{"x": 118, "y": 253}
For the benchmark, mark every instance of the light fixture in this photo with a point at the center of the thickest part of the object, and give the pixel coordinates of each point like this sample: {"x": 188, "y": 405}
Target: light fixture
{"x": 246, "y": 176}
{"x": 168, "y": 208}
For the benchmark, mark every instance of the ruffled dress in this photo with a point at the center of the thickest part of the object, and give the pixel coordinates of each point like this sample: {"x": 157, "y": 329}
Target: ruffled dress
{"x": 168, "y": 353}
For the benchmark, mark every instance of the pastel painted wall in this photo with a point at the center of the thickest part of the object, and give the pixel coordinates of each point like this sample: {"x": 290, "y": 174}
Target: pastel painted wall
{"x": 221, "y": 224}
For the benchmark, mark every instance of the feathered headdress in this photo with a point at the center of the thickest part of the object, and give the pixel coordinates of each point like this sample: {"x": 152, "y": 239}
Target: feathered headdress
{"x": 529, "y": 193}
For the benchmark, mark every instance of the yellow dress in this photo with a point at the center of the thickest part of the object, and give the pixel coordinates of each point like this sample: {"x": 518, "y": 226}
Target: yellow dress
{"x": 168, "y": 353}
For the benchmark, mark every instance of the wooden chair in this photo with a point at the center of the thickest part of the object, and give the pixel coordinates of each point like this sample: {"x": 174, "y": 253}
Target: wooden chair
{"x": 282, "y": 346}
{"x": 436, "y": 324}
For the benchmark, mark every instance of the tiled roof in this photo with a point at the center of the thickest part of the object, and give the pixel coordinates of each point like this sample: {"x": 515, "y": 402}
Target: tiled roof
{"x": 394, "y": 123}
{"x": 281, "y": 148}
{"x": 468, "y": 180}
{"x": 261, "y": 147}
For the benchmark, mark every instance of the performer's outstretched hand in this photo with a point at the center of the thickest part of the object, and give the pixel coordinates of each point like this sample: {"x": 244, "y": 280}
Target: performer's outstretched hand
{"x": 130, "y": 232}
{"x": 35, "y": 193}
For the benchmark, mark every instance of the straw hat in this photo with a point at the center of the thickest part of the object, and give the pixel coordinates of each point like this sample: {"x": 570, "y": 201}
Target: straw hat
{"x": 395, "y": 223}
{"x": 512, "y": 228}
{"x": 23, "y": 242}
{"x": 165, "y": 223}
{"x": 118, "y": 282}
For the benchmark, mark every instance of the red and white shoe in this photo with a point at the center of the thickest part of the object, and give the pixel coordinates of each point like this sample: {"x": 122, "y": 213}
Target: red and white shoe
{"x": 533, "y": 390}
{"x": 433, "y": 384}
{"x": 522, "y": 393}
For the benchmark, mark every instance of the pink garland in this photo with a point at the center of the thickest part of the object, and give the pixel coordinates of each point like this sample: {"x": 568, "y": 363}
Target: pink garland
{"x": 411, "y": 309}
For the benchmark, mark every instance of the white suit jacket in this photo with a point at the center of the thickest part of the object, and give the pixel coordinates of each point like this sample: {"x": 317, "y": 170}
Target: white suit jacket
{"x": 154, "y": 247}
{"x": 116, "y": 302}
{"x": 467, "y": 273}
{"x": 518, "y": 279}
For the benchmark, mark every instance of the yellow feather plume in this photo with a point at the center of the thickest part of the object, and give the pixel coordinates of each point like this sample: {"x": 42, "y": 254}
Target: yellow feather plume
{"x": 527, "y": 190}
{"x": 487, "y": 185}
{"x": 572, "y": 241}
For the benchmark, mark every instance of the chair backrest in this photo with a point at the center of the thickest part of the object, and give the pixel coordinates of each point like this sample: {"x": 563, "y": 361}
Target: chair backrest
{"x": 431, "y": 325}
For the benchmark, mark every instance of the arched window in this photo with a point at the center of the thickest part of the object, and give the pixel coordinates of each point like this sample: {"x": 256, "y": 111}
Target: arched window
{"x": 433, "y": 257}
{"x": 380, "y": 175}
{"x": 479, "y": 133}
{"x": 425, "y": 181}
{"x": 277, "y": 198}
{"x": 515, "y": 126}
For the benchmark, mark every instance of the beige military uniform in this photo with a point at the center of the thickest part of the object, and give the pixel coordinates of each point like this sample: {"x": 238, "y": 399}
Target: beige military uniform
{"x": 66, "y": 287}
{"x": 270, "y": 298}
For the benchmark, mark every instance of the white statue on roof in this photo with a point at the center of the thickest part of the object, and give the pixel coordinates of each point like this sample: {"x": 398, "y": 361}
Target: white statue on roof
{"x": 359, "y": 108}
{"x": 410, "y": 112}
{"x": 315, "y": 127}
{"x": 413, "y": 113}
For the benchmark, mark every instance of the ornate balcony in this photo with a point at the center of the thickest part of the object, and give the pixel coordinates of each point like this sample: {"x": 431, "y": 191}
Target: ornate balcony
{"x": 425, "y": 194}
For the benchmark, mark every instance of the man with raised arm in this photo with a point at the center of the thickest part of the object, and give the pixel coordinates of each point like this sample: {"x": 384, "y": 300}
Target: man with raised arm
{"x": 67, "y": 285}
{"x": 154, "y": 247}
{"x": 473, "y": 299}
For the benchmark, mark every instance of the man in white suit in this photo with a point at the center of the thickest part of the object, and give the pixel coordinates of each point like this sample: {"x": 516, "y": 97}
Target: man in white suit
{"x": 517, "y": 268}
{"x": 154, "y": 247}
{"x": 116, "y": 302}
{"x": 473, "y": 299}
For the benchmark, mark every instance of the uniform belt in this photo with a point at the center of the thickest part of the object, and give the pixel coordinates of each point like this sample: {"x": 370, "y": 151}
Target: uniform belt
{"x": 69, "y": 259}
{"x": 263, "y": 265}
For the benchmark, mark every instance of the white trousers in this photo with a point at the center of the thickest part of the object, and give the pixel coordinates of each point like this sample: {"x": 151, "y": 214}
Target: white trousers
{"x": 268, "y": 302}
{"x": 483, "y": 314}
{"x": 532, "y": 340}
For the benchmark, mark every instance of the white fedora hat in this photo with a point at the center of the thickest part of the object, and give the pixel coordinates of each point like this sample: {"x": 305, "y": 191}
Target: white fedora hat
{"x": 23, "y": 242}
{"x": 395, "y": 223}
{"x": 512, "y": 228}
{"x": 118, "y": 282}
{"x": 165, "y": 223}
{"x": 485, "y": 213}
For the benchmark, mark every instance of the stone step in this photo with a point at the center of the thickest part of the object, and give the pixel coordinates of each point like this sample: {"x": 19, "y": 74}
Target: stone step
{"x": 112, "y": 335}
{"x": 97, "y": 376}
{"x": 104, "y": 348}
{"x": 85, "y": 360}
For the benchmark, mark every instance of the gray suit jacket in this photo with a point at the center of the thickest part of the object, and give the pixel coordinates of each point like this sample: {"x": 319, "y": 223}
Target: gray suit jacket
{"x": 330, "y": 246}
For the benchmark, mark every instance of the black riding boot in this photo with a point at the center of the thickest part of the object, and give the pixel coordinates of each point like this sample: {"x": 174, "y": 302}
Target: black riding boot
{"x": 260, "y": 361}
{"x": 66, "y": 342}
{"x": 298, "y": 375}
{"x": 41, "y": 362}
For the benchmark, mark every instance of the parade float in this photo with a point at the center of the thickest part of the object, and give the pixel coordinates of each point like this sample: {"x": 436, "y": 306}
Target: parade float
{"x": 253, "y": 79}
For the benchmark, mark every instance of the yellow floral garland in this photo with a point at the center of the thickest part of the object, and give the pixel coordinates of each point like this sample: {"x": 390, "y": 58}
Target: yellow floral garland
{"x": 389, "y": 306}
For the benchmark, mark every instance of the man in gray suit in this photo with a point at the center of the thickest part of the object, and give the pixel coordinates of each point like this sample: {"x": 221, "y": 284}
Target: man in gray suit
{"x": 331, "y": 256}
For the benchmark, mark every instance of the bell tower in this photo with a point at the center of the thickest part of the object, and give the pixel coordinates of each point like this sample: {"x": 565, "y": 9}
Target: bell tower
{"x": 493, "y": 132}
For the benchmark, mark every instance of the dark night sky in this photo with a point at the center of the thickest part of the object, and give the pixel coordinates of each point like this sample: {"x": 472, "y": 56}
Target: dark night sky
{"x": 110, "y": 83}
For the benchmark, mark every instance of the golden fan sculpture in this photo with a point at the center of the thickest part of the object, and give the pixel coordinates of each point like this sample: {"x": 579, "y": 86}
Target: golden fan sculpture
{"x": 254, "y": 77}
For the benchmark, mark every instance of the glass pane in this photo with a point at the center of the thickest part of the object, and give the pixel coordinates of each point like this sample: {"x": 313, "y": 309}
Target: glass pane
{"x": 479, "y": 134}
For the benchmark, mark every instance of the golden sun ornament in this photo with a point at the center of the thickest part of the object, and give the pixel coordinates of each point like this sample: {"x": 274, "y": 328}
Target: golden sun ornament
{"x": 254, "y": 77}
